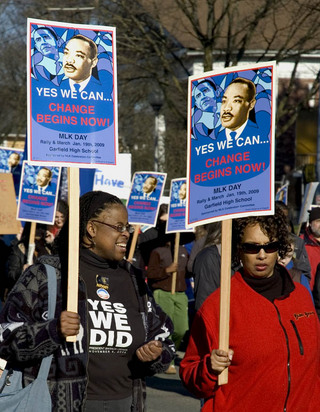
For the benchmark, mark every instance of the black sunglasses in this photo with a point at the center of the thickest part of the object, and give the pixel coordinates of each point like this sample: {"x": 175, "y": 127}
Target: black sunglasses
{"x": 253, "y": 248}
{"x": 118, "y": 228}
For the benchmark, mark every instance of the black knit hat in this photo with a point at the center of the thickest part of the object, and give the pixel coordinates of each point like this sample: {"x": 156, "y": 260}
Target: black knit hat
{"x": 314, "y": 214}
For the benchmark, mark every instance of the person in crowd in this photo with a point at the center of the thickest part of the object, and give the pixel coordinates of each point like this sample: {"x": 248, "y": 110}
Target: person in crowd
{"x": 206, "y": 267}
{"x": 4, "y": 254}
{"x": 311, "y": 239}
{"x": 316, "y": 291}
{"x": 274, "y": 331}
{"x": 300, "y": 256}
{"x": 19, "y": 249}
{"x": 294, "y": 267}
{"x": 157, "y": 237}
{"x": 62, "y": 212}
{"x": 154, "y": 237}
{"x": 160, "y": 277}
{"x": 200, "y": 234}
{"x": 122, "y": 335}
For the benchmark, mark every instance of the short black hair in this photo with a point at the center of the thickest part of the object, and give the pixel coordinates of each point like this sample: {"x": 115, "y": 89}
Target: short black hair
{"x": 251, "y": 86}
{"x": 212, "y": 84}
{"x": 273, "y": 226}
{"x": 93, "y": 46}
{"x": 47, "y": 169}
{"x": 63, "y": 207}
{"x": 91, "y": 205}
{"x": 54, "y": 34}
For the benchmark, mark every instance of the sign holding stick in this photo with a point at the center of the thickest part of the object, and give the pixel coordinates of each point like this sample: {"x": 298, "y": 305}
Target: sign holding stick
{"x": 32, "y": 245}
{"x": 134, "y": 242}
{"x": 73, "y": 257}
{"x": 225, "y": 278}
{"x": 175, "y": 260}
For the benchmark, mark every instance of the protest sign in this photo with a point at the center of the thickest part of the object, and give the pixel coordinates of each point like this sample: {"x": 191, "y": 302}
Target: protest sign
{"x": 72, "y": 96}
{"x": 115, "y": 179}
{"x": 8, "y": 206}
{"x": 177, "y": 207}
{"x": 282, "y": 194}
{"x": 311, "y": 199}
{"x": 38, "y": 193}
{"x": 230, "y": 168}
{"x": 11, "y": 162}
{"x": 143, "y": 202}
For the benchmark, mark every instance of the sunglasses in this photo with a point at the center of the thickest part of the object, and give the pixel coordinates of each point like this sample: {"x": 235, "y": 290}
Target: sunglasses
{"x": 118, "y": 228}
{"x": 253, "y": 248}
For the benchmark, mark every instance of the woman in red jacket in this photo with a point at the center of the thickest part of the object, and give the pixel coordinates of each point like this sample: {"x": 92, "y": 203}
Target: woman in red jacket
{"x": 274, "y": 355}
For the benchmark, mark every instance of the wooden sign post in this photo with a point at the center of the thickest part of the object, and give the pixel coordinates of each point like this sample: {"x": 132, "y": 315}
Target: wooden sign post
{"x": 175, "y": 259}
{"x": 32, "y": 245}
{"x": 134, "y": 242}
{"x": 225, "y": 293}
{"x": 73, "y": 254}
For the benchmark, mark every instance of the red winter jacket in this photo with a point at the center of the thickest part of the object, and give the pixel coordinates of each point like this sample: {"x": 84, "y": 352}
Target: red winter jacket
{"x": 276, "y": 346}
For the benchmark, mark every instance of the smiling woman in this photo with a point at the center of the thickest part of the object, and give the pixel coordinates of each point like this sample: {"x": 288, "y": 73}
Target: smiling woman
{"x": 122, "y": 335}
{"x": 271, "y": 346}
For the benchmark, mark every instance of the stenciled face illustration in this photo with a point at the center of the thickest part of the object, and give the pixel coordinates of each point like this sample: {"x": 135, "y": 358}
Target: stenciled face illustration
{"x": 77, "y": 61}
{"x": 45, "y": 42}
{"x": 205, "y": 98}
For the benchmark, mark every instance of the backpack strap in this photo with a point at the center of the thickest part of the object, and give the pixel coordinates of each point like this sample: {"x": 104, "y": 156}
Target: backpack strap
{"x": 52, "y": 299}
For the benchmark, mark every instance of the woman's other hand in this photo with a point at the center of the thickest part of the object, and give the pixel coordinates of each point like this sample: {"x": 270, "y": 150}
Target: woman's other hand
{"x": 150, "y": 351}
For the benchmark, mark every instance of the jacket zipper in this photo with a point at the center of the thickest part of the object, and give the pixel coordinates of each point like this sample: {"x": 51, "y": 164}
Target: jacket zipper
{"x": 298, "y": 337}
{"x": 288, "y": 360}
